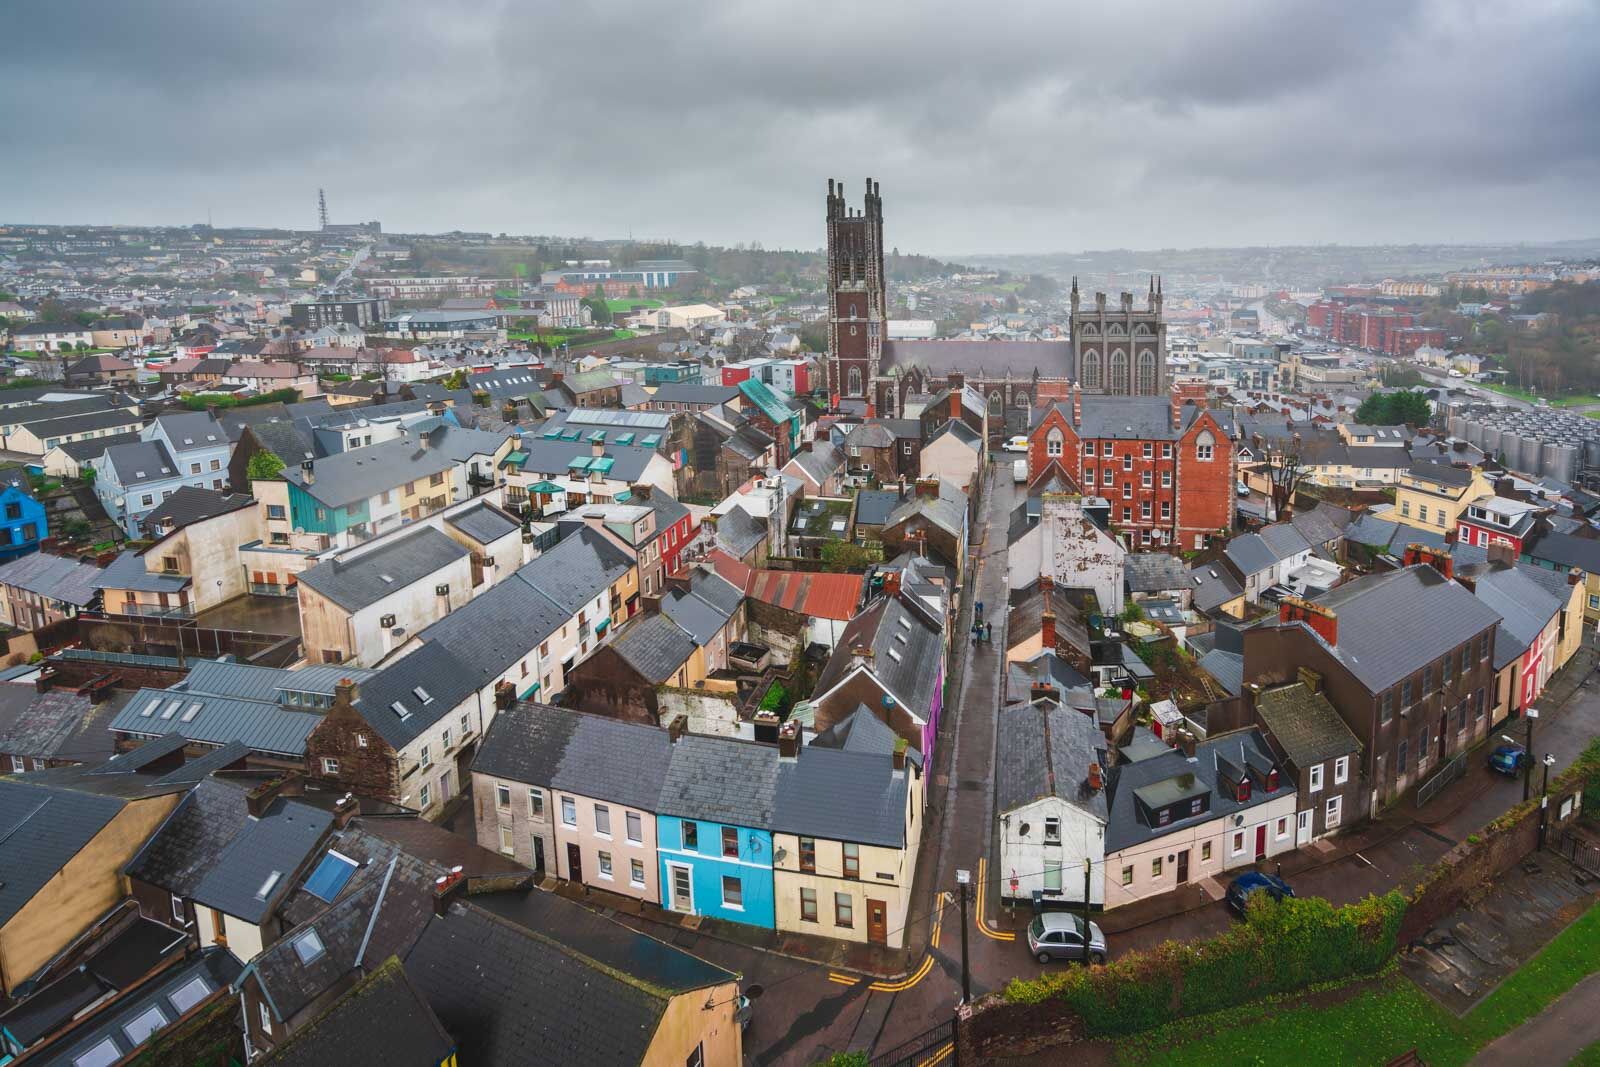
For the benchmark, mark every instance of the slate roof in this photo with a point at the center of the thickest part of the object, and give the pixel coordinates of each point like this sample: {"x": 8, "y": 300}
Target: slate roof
{"x": 1213, "y": 586}
{"x": 740, "y": 533}
{"x": 905, "y": 644}
{"x": 1322, "y": 524}
{"x": 1283, "y": 540}
{"x": 430, "y": 667}
{"x": 1125, "y": 827}
{"x": 211, "y": 851}
{"x": 144, "y": 461}
{"x": 655, "y": 647}
{"x": 127, "y": 571}
{"x": 56, "y": 577}
{"x": 579, "y": 988}
{"x": 44, "y": 828}
{"x": 990, "y": 358}
{"x": 579, "y": 568}
{"x": 1525, "y": 607}
{"x": 1567, "y": 551}
{"x": 870, "y": 435}
{"x": 947, "y": 510}
{"x": 1250, "y": 553}
{"x": 82, "y": 423}
{"x": 594, "y": 755}
{"x": 721, "y": 780}
{"x": 690, "y": 393}
{"x": 1138, "y": 418}
{"x": 50, "y": 725}
{"x": 1305, "y": 725}
{"x": 355, "y": 475}
{"x": 496, "y": 628}
{"x": 357, "y": 581}
{"x": 1434, "y": 613}
{"x": 95, "y": 447}
{"x": 1153, "y": 572}
{"x": 841, "y": 795}
{"x": 705, "y": 609}
{"x": 961, "y": 432}
{"x": 862, "y": 731}
{"x": 819, "y": 462}
{"x": 189, "y": 504}
{"x": 874, "y": 506}
{"x": 1226, "y": 668}
{"x": 1441, "y": 474}
{"x": 1044, "y": 667}
{"x": 383, "y": 1018}
{"x": 192, "y": 431}
{"x": 1043, "y": 751}
{"x": 483, "y": 522}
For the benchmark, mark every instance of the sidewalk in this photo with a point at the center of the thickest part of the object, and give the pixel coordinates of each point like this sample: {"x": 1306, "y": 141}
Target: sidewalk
{"x": 1555, "y": 1035}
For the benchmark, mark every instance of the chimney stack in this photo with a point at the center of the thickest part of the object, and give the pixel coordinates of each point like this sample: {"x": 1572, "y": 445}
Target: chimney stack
{"x": 1047, "y": 630}
{"x": 308, "y": 472}
{"x": 344, "y": 693}
{"x": 1046, "y": 583}
{"x": 1187, "y": 742}
{"x": 766, "y": 724}
{"x": 789, "y": 741}
{"x": 900, "y": 746}
{"x": 1042, "y": 690}
{"x": 446, "y": 888}
{"x": 928, "y": 488}
{"x": 259, "y": 799}
{"x": 1177, "y": 409}
{"x": 346, "y": 809}
{"x": 1309, "y": 678}
{"x": 1077, "y": 405}
{"x": 1096, "y": 782}
{"x": 1322, "y": 620}
{"x": 677, "y": 728}
{"x": 1574, "y": 576}
{"x": 891, "y": 583}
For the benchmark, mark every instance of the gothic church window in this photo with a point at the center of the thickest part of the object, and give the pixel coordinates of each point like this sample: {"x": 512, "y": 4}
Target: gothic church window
{"x": 855, "y": 381}
{"x": 1147, "y": 373}
{"x": 1091, "y": 370}
{"x": 1117, "y": 373}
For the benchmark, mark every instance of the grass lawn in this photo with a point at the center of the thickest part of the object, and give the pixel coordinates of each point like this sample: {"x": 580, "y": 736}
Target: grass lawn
{"x": 630, "y": 303}
{"x": 1533, "y": 398}
{"x": 1388, "y": 1017}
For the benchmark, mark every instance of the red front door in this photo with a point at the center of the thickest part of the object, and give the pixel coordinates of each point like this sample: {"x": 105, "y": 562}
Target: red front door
{"x": 1261, "y": 840}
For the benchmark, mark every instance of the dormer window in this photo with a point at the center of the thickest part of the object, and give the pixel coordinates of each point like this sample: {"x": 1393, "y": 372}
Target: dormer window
{"x": 1241, "y": 792}
{"x": 1272, "y": 780}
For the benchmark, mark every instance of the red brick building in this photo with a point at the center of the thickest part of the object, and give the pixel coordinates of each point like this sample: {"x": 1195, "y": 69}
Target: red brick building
{"x": 1165, "y": 463}
{"x": 1377, "y": 329}
{"x": 1405, "y": 341}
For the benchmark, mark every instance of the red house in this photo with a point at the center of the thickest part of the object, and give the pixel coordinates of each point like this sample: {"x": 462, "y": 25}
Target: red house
{"x": 1165, "y": 464}
{"x": 1498, "y": 520}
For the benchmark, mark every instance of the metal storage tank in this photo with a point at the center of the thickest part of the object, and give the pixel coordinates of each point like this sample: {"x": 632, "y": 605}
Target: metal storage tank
{"x": 1456, "y": 425}
{"x": 1528, "y": 453}
{"x": 1491, "y": 441}
{"x": 1474, "y": 434}
{"x": 1561, "y": 461}
{"x": 1591, "y": 452}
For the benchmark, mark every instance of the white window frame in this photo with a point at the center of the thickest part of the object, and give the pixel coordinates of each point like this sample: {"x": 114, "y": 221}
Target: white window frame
{"x": 603, "y": 865}
{"x": 636, "y": 873}
{"x": 629, "y": 821}
{"x": 1315, "y": 773}
{"x": 602, "y": 821}
{"x": 330, "y": 765}
{"x": 535, "y": 803}
{"x": 569, "y": 812}
{"x": 1236, "y": 846}
{"x": 1341, "y": 770}
{"x": 266, "y": 1019}
{"x": 177, "y": 909}
{"x": 1333, "y": 812}
{"x": 502, "y": 796}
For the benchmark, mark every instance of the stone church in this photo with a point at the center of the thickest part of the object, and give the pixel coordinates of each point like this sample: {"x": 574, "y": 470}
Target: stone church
{"x": 1116, "y": 349}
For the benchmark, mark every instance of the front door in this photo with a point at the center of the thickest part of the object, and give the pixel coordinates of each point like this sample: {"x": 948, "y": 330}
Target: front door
{"x": 538, "y": 856}
{"x": 877, "y": 922}
{"x": 1302, "y": 829}
{"x": 1261, "y": 840}
{"x": 1183, "y": 866}
{"x": 445, "y": 792}
{"x": 574, "y": 863}
{"x": 682, "y": 889}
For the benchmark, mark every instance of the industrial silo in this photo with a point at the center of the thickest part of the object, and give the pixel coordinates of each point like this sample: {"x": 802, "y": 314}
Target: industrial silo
{"x": 1528, "y": 454}
{"x": 1560, "y": 461}
{"x": 1491, "y": 441}
{"x": 1591, "y": 451}
{"x": 1456, "y": 425}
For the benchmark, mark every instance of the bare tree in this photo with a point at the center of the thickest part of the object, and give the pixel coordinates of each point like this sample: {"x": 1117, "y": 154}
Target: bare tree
{"x": 1285, "y": 470}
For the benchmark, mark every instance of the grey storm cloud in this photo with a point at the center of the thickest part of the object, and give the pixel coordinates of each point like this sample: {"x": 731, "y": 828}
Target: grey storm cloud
{"x": 1029, "y": 126}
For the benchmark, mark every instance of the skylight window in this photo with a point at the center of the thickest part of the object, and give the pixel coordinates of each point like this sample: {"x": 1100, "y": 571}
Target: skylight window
{"x": 171, "y": 709}
{"x": 190, "y": 993}
{"x": 422, "y": 695}
{"x": 103, "y": 1054}
{"x": 150, "y": 709}
{"x": 399, "y": 709}
{"x": 266, "y": 887}
{"x": 894, "y": 654}
{"x": 308, "y": 946}
{"x": 191, "y": 711}
{"x": 386, "y": 579}
{"x": 141, "y": 1026}
{"x": 330, "y": 876}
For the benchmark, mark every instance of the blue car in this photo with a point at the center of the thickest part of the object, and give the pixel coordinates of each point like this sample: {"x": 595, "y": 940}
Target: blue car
{"x": 1508, "y": 760}
{"x": 1242, "y": 888}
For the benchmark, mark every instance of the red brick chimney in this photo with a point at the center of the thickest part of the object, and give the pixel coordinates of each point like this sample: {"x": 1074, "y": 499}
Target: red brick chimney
{"x": 789, "y": 740}
{"x": 1077, "y": 405}
{"x": 1177, "y": 408}
{"x": 928, "y": 488}
{"x": 446, "y": 888}
{"x": 1440, "y": 561}
{"x": 1047, "y": 630}
{"x": 1096, "y": 783}
{"x": 1046, "y": 583}
{"x": 1041, "y": 689}
{"x": 891, "y": 583}
{"x": 955, "y": 403}
{"x": 1323, "y": 620}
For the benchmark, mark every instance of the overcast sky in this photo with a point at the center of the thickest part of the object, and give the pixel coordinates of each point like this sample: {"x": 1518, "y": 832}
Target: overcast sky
{"x": 1016, "y": 127}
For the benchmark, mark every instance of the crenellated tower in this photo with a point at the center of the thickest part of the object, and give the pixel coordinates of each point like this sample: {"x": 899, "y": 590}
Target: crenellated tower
{"x": 857, "y": 303}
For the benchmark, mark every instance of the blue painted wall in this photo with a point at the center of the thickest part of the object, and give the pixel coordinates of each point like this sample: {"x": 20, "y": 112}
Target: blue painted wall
{"x": 753, "y": 868}
{"x": 23, "y": 522}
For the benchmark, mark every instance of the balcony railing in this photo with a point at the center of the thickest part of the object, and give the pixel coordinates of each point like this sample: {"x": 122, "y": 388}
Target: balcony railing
{"x": 151, "y": 611}
{"x": 271, "y": 589}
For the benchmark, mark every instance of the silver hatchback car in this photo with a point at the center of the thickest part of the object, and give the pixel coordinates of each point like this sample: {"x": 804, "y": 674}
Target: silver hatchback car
{"x": 1058, "y": 935}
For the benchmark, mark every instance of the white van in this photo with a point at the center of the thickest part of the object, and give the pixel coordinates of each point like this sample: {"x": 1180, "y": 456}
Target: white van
{"x": 1019, "y": 471}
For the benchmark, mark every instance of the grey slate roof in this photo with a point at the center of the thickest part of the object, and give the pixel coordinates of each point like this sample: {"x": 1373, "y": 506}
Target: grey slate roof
{"x": 95, "y": 447}
{"x": 1125, "y": 827}
{"x": 1283, "y": 540}
{"x": 430, "y": 667}
{"x": 961, "y": 432}
{"x": 553, "y": 457}
{"x": 594, "y": 755}
{"x": 1434, "y": 613}
{"x": 874, "y": 506}
{"x": 191, "y": 431}
{"x": 689, "y": 393}
{"x": 579, "y": 568}
{"x": 360, "y": 580}
{"x": 383, "y": 1018}
{"x": 721, "y": 780}
{"x": 496, "y": 628}
{"x": 210, "y": 850}
{"x": 819, "y": 462}
{"x": 655, "y": 646}
{"x": 842, "y": 796}
{"x": 127, "y": 572}
{"x": 43, "y": 829}
{"x": 862, "y": 731}
{"x": 706, "y": 608}
{"x": 906, "y": 645}
{"x": 1305, "y": 725}
{"x": 1138, "y": 418}
{"x": 1250, "y": 554}
{"x": 145, "y": 461}
{"x": 578, "y": 992}
{"x": 56, "y": 577}
{"x": 347, "y": 477}
{"x": 1213, "y": 586}
{"x": 484, "y": 523}
{"x": 89, "y": 420}
{"x": 1227, "y": 668}
{"x": 1567, "y": 551}
{"x": 1043, "y": 751}
{"x": 57, "y": 724}
{"x": 190, "y": 504}
{"x": 1524, "y": 604}
{"x": 1153, "y": 572}
{"x": 1441, "y": 474}
{"x": 740, "y": 533}
{"x": 1322, "y": 524}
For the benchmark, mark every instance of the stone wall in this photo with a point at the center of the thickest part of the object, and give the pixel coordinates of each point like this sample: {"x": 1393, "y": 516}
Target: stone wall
{"x": 708, "y": 713}
{"x": 991, "y": 1028}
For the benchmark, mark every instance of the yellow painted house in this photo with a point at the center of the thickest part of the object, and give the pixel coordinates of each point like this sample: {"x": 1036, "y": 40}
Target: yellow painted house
{"x": 1432, "y": 496}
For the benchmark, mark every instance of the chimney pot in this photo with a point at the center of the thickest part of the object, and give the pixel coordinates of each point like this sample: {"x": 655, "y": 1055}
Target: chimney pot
{"x": 789, "y": 740}
{"x": 1095, "y": 780}
{"x": 677, "y": 728}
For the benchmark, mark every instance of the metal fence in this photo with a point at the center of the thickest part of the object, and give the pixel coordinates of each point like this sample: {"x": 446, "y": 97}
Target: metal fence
{"x": 1447, "y": 774}
{"x": 1578, "y": 851}
{"x": 933, "y": 1046}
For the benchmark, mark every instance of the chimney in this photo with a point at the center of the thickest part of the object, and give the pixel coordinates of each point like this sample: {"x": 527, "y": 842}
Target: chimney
{"x": 1187, "y": 742}
{"x": 766, "y": 724}
{"x": 1500, "y": 552}
{"x": 1574, "y": 576}
{"x": 344, "y": 693}
{"x": 1046, "y": 583}
{"x": 900, "y": 746}
{"x": 1309, "y": 678}
{"x": 47, "y": 678}
{"x": 346, "y": 809}
{"x": 1096, "y": 783}
{"x": 1042, "y": 690}
{"x": 1047, "y": 630}
{"x": 446, "y": 888}
{"x": 677, "y": 728}
{"x": 259, "y": 799}
{"x": 789, "y": 741}
{"x": 891, "y": 583}
{"x": 955, "y": 403}
{"x": 1077, "y": 405}
{"x": 1440, "y": 561}
{"x": 928, "y": 488}
{"x": 1322, "y": 620}
{"x": 597, "y": 448}
{"x": 308, "y": 473}
{"x": 516, "y": 441}
{"x": 1177, "y": 409}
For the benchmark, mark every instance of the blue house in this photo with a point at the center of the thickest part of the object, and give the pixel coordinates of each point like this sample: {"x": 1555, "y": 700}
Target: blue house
{"x": 23, "y": 522}
{"x": 131, "y": 480}
{"x": 714, "y": 830}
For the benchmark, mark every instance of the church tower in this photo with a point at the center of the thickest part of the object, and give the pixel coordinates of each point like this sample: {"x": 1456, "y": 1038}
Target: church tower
{"x": 857, "y": 305}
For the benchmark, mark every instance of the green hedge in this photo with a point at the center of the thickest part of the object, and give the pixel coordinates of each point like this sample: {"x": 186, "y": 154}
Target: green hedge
{"x": 1279, "y": 948}
{"x": 201, "y": 401}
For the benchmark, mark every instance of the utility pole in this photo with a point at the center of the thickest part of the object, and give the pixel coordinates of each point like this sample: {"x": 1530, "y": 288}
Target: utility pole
{"x": 963, "y": 883}
{"x": 1086, "y": 909}
{"x": 1544, "y": 800}
{"x": 1527, "y": 756}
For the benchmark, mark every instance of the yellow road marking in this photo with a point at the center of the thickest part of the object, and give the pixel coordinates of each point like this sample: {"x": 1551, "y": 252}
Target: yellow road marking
{"x": 939, "y": 1056}
{"x": 983, "y": 926}
{"x": 906, "y": 983}
{"x": 842, "y": 979}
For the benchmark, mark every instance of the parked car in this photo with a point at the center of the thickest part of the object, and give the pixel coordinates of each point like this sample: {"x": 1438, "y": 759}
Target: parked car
{"x": 1508, "y": 760}
{"x": 1242, "y": 888}
{"x": 1015, "y": 444}
{"x": 1058, "y": 935}
{"x": 1019, "y": 471}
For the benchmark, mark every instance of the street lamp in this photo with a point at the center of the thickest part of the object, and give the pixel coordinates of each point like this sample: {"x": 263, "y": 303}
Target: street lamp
{"x": 963, "y": 882}
{"x": 1544, "y": 798}
{"x": 1527, "y": 763}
